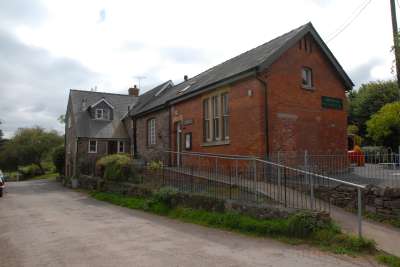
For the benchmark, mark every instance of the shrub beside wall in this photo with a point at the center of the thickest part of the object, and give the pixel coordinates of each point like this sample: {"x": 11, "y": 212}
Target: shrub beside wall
{"x": 116, "y": 167}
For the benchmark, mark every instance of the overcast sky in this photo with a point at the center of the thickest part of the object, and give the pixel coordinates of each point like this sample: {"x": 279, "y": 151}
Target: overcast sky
{"x": 49, "y": 46}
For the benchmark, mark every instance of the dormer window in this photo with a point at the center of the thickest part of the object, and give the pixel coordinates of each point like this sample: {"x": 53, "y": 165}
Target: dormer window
{"x": 102, "y": 114}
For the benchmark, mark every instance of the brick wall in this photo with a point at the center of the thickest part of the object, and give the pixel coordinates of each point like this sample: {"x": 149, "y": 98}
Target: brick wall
{"x": 247, "y": 123}
{"x": 296, "y": 119}
{"x": 153, "y": 152}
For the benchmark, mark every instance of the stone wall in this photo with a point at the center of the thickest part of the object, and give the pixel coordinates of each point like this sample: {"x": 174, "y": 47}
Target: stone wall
{"x": 267, "y": 211}
{"x": 384, "y": 202}
{"x": 157, "y": 151}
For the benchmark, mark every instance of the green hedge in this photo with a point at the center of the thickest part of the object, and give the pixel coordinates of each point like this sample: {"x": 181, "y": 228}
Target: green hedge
{"x": 116, "y": 167}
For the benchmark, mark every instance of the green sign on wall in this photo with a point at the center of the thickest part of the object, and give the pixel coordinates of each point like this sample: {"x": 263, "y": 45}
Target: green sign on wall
{"x": 331, "y": 102}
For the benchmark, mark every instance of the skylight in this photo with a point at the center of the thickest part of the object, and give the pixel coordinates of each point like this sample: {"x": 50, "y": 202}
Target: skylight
{"x": 184, "y": 89}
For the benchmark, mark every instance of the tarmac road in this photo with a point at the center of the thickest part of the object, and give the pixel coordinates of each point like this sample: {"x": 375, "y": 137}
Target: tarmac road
{"x": 44, "y": 224}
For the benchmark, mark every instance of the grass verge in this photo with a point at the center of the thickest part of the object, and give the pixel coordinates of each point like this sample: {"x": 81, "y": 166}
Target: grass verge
{"x": 50, "y": 176}
{"x": 388, "y": 260}
{"x": 379, "y": 218}
{"x": 297, "y": 229}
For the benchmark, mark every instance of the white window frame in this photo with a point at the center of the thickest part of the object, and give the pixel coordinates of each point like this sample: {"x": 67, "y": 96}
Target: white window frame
{"x": 206, "y": 120}
{"x": 215, "y": 117}
{"x": 225, "y": 115}
{"x": 307, "y": 78}
{"x": 105, "y": 114}
{"x": 151, "y": 131}
{"x": 69, "y": 122}
{"x": 89, "y": 148}
{"x": 119, "y": 146}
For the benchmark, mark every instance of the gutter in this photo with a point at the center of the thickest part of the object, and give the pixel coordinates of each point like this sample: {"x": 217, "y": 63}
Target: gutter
{"x": 266, "y": 129}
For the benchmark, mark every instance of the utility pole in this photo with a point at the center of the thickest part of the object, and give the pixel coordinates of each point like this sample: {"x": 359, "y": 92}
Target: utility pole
{"x": 395, "y": 40}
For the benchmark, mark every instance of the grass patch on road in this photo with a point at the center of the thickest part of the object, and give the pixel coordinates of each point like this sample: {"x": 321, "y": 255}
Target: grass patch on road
{"x": 297, "y": 229}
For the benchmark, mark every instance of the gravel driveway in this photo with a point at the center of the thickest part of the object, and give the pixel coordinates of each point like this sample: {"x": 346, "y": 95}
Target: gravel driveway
{"x": 44, "y": 224}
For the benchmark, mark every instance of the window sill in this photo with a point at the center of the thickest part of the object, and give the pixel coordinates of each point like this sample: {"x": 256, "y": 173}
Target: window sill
{"x": 216, "y": 143}
{"x": 308, "y": 88}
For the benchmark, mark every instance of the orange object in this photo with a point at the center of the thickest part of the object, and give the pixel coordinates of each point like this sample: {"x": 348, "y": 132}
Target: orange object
{"x": 356, "y": 156}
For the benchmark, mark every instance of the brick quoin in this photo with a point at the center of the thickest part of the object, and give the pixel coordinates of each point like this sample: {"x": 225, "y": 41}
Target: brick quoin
{"x": 296, "y": 119}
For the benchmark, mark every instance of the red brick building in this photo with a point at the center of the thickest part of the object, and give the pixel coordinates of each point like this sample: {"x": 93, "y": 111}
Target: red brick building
{"x": 285, "y": 95}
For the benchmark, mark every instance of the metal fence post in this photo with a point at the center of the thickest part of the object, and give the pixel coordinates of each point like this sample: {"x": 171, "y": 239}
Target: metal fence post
{"x": 191, "y": 178}
{"x": 255, "y": 178}
{"x": 230, "y": 183}
{"x": 311, "y": 179}
{"x": 279, "y": 177}
{"x": 359, "y": 212}
{"x": 237, "y": 171}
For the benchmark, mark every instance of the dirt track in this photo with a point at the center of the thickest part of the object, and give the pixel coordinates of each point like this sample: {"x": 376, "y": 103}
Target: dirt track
{"x": 44, "y": 224}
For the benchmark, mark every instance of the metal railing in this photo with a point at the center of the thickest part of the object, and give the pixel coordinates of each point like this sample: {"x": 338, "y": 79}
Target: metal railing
{"x": 251, "y": 179}
{"x": 379, "y": 169}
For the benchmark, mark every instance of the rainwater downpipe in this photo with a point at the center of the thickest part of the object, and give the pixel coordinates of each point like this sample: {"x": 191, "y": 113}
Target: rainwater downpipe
{"x": 265, "y": 88}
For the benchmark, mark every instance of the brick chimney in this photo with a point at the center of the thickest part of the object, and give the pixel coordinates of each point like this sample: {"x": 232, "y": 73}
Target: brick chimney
{"x": 133, "y": 91}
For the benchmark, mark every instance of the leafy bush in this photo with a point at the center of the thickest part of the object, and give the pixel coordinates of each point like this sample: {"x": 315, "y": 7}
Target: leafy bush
{"x": 155, "y": 165}
{"x": 117, "y": 167}
{"x": 166, "y": 195}
{"x": 58, "y": 158}
{"x": 304, "y": 224}
{"x": 29, "y": 171}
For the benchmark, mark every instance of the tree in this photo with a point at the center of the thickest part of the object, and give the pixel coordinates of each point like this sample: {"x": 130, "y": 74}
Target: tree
{"x": 354, "y": 130}
{"x": 370, "y": 98}
{"x": 1, "y": 133}
{"x": 61, "y": 119}
{"x": 384, "y": 126}
{"x": 8, "y": 157}
{"x": 59, "y": 159}
{"x": 30, "y": 146}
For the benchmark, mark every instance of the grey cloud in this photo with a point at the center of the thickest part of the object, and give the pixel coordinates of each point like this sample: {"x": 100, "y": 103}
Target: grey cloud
{"x": 362, "y": 73}
{"x": 34, "y": 85}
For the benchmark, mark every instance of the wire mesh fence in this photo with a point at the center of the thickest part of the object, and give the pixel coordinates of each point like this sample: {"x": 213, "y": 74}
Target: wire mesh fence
{"x": 380, "y": 169}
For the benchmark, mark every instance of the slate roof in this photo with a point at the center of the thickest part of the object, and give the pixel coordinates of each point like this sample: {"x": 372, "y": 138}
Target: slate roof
{"x": 157, "y": 95}
{"x": 256, "y": 59}
{"x": 87, "y": 127}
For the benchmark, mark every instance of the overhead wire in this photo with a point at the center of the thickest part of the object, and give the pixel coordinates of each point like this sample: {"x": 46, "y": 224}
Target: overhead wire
{"x": 354, "y": 15}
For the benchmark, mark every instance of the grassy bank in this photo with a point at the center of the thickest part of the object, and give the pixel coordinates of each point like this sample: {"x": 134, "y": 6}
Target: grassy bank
{"x": 298, "y": 229}
{"x": 49, "y": 176}
{"x": 388, "y": 260}
{"x": 379, "y": 218}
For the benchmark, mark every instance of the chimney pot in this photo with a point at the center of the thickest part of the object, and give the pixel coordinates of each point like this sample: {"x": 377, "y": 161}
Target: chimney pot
{"x": 185, "y": 77}
{"x": 133, "y": 91}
